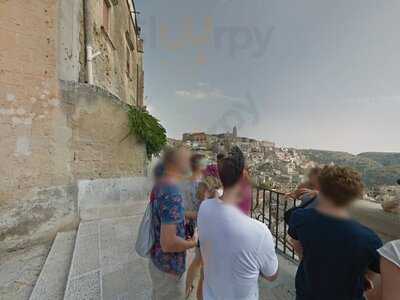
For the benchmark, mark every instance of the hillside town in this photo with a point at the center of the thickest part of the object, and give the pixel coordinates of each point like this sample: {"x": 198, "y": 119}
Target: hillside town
{"x": 271, "y": 166}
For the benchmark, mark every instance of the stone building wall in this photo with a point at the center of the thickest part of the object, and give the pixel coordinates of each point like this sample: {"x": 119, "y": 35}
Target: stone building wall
{"x": 54, "y": 134}
{"x": 29, "y": 97}
{"x": 99, "y": 125}
{"x": 114, "y": 44}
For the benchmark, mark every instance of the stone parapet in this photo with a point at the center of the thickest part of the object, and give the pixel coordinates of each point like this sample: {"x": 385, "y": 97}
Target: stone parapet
{"x": 387, "y": 225}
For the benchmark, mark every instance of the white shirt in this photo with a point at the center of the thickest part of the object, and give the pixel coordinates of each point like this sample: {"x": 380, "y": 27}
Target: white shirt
{"x": 235, "y": 250}
{"x": 391, "y": 251}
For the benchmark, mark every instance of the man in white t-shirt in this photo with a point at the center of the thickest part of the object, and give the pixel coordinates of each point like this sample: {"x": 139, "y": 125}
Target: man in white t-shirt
{"x": 236, "y": 249}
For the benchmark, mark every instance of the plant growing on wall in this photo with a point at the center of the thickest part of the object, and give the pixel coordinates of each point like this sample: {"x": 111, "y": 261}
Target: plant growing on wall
{"x": 148, "y": 129}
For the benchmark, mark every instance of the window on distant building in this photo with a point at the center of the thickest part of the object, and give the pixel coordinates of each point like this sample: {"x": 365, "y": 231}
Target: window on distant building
{"x": 129, "y": 51}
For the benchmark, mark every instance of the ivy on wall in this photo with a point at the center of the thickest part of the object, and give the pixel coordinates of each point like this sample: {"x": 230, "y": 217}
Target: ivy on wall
{"x": 148, "y": 129}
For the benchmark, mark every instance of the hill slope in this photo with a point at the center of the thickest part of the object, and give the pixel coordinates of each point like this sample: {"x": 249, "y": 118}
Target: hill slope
{"x": 377, "y": 168}
{"x": 385, "y": 159}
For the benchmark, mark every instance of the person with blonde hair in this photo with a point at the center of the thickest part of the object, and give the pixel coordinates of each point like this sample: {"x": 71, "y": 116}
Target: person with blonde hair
{"x": 208, "y": 188}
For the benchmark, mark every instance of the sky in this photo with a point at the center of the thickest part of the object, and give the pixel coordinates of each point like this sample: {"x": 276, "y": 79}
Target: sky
{"x": 308, "y": 73}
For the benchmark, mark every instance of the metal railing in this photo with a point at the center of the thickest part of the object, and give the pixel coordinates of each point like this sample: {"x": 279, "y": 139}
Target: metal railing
{"x": 269, "y": 207}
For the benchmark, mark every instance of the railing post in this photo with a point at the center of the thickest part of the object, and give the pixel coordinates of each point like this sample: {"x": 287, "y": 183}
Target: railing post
{"x": 287, "y": 248}
{"x": 270, "y": 211}
{"x": 263, "y": 208}
{"x": 284, "y": 228}
{"x": 277, "y": 220}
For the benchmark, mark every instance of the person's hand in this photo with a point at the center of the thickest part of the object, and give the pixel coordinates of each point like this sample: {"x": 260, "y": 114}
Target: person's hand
{"x": 290, "y": 196}
{"x": 195, "y": 237}
{"x": 368, "y": 284}
{"x": 303, "y": 191}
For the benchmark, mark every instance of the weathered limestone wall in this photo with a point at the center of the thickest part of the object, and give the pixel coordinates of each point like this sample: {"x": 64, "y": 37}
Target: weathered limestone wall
{"x": 71, "y": 60}
{"x": 110, "y": 67}
{"x": 99, "y": 124}
{"x": 28, "y": 95}
{"x": 54, "y": 135}
{"x": 35, "y": 178}
{"x": 387, "y": 225}
{"x": 88, "y": 130}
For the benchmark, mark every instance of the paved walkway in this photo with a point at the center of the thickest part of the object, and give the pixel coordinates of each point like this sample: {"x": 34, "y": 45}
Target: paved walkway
{"x": 105, "y": 265}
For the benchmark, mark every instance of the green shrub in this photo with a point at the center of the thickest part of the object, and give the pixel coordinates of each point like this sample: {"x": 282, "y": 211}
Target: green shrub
{"x": 147, "y": 129}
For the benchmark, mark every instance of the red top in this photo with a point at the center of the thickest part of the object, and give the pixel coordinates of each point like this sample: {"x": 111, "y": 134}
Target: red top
{"x": 245, "y": 205}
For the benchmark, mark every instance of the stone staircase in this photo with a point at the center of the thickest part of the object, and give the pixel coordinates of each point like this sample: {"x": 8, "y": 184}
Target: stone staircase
{"x": 53, "y": 277}
{"x": 96, "y": 262}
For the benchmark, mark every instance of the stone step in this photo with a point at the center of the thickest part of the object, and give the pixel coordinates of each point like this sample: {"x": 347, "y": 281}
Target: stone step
{"x": 53, "y": 277}
{"x": 112, "y": 198}
{"x": 105, "y": 265}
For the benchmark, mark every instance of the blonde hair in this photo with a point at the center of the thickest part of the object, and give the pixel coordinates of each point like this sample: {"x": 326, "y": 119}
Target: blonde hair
{"x": 209, "y": 184}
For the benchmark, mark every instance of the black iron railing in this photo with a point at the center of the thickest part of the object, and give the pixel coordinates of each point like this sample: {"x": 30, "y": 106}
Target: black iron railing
{"x": 269, "y": 207}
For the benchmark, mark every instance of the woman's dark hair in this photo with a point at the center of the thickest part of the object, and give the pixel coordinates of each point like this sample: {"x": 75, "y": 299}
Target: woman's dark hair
{"x": 398, "y": 181}
{"x": 195, "y": 161}
{"x": 231, "y": 168}
{"x": 220, "y": 156}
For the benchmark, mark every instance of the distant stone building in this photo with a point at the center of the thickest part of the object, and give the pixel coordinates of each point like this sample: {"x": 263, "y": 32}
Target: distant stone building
{"x": 196, "y": 137}
{"x": 68, "y": 70}
{"x": 267, "y": 144}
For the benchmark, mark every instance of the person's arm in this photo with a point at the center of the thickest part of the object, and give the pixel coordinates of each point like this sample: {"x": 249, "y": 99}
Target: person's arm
{"x": 271, "y": 278}
{"x": 390, "y": 280}
{"x": 294, "y": 223}
{"x": 267, "y": 257}
{"x": 297, "y": 247}
{"x": 191, "y": 214}
{"x": 372, "y": 286}
{"x": 170, "y": 242}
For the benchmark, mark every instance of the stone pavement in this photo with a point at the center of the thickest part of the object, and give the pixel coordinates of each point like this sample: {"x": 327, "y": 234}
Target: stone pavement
{"x": 105, "y": 265}
{"x": 100, "y": 264}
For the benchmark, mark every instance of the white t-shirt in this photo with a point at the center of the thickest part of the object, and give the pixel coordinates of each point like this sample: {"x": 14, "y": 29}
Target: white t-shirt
{"x": 391, "y": 251}
{"x": 235, "y": 250}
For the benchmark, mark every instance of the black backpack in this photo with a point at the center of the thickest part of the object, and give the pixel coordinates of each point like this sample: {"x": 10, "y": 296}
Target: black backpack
{"x": 290, "y": 211}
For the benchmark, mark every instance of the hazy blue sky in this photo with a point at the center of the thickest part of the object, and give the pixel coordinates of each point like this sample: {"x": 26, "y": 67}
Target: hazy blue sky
{"x": 306, "y": 73}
